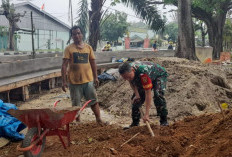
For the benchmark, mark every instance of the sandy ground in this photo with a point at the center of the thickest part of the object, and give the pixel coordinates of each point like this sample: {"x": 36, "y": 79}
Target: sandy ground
{"x": 48, "y": 98}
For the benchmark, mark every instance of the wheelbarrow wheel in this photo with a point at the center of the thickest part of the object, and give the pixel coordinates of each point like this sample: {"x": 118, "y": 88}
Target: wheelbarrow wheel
{"x": 30, "y": 137}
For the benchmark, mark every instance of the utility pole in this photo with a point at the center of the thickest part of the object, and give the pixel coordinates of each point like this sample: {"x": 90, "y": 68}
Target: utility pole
{"x": 71, "y": 15}
{"x": 70, "y": 9}
{"x": 32, "y": 37}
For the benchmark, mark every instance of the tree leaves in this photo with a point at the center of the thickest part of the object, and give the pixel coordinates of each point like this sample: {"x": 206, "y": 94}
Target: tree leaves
{"x": 83, "y": 20}
{"x": 148, "y": 12}
{"x": 114, "y": 26}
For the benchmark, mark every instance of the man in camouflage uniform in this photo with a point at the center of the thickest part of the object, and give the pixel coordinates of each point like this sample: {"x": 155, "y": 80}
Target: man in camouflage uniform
{"x": 144, "y": 76}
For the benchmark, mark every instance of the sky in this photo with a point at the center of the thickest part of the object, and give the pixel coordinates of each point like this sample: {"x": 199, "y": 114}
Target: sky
{"x": 60, "y": 9}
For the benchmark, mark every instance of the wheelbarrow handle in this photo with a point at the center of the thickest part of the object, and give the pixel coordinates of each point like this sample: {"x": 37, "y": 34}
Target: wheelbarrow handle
{"x": 83, "y": 107}
{"x": 56, "y": 103}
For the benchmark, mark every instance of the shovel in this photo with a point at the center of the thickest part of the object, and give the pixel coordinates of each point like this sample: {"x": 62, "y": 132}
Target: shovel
{"x": 147, "y": 123}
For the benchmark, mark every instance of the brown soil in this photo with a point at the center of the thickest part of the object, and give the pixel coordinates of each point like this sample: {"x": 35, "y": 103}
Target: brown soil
{"x": 206, "y": 135}
{"x": 197, "y": 129}
{"x": 192, "y": 89}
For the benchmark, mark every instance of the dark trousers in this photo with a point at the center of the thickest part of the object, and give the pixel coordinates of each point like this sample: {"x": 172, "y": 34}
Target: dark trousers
{"x": 159, "y": 101}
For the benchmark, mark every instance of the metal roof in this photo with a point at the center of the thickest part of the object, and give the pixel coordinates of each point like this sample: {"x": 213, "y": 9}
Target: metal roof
{"x": 44, "y": 12}
{"x": 4, "y": 21}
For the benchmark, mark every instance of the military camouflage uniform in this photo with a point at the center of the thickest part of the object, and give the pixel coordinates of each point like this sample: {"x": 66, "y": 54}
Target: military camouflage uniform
{"x": 158, "y": 76}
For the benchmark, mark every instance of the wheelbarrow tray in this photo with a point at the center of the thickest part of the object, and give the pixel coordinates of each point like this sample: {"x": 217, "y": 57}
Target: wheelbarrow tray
{"x": 46, "y": 118}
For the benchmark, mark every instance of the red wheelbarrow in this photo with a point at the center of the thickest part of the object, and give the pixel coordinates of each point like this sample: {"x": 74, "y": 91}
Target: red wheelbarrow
{"x": 45, "y": 122}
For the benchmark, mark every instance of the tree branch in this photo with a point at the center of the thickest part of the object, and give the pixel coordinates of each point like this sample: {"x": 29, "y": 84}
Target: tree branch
{"x": 154, "y": 2}
{"x": 201, "y": 14}
{"x": 229, "y": 6}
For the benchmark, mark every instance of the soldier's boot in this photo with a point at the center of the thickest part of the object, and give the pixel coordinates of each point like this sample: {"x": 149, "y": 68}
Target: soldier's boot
{"x": 130, "y": 126}
{"x": 135, "y": 119}
{"x": 163, "y": 121}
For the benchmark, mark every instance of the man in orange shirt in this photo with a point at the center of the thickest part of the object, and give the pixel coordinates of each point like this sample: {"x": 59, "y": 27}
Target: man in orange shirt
{"x": 79, "y": 60}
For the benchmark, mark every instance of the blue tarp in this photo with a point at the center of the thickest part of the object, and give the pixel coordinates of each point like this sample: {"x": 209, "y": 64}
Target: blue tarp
{"x": 10, "y": 126}
{"x": 104, "y": 76}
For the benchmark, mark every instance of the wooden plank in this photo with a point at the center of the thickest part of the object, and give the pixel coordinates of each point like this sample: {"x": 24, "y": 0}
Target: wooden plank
{"x": 108, "y": 65}
{"x": 3, "y": 142}
{"x": 28, "y": 81}
{"x": 40, "y": 88}
{"x": 25, "y": 93}
{"x": 8, "y": 96}
{"x": 52, "y": 83}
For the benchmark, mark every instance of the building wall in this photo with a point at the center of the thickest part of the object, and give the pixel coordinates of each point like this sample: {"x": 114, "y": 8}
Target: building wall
{"x": 40, "y": 19}
{"x": 3, "y": 42}
{"x": 42, "y": 38}
{"x": 47, "y": 30}
{"x": 49, "y": 34}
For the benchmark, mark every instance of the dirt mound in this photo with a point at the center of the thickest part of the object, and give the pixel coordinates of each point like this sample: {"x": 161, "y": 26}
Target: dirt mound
{"x": 193, "y": 94}
{"x": 206, "y": 135}
{"x": 192, "y": 89}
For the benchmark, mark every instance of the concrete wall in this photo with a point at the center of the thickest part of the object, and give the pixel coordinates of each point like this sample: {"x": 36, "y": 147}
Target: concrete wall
{"x": 101, "y": 57}
{"x": 13, "y": 58}
{"x": 28, "y": 66}
{"x": 20, "y": 67}
{"x": 107, "y": 56}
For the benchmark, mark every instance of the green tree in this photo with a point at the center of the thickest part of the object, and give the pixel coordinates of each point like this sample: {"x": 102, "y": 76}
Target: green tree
{"x": 200, "y": 25}
{"x": 212, "y": 12}
{"x": 83, "y": 18}
{"x": 13, "y": 18}
{"x": 114, "y": 26}
{"x": 95, "y": 15}
{"x": 90, "y": 19}
{"x": 171, "y": 29}
{"x": 148, "y": 12}
{"x": 227, "y": 34}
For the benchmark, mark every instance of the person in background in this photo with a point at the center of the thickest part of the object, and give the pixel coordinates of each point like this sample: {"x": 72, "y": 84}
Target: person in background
{"x": 170, "y": 47}
{"x": 154, "y": 46}
{"x": 107, "y": 47}
{"x": 144, "y": 77}
{"x": 79, "y": 59}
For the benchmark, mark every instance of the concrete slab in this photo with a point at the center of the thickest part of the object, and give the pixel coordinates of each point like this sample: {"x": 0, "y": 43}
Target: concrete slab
{"x": 204, "y": 53}
{"x": 7, "y": 84}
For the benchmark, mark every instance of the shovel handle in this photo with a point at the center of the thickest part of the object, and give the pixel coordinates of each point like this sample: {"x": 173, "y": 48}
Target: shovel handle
{"x": 149, "y": 128}
{"x": 147, "y": 124}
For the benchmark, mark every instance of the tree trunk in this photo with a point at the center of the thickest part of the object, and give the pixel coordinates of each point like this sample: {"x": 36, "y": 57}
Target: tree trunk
{"x": 11, "y": 36}
{"x": 95, "y": 17}
{"x": 215, "y": 31}
{"x": 203, "y": 38}
{"x": 186, "y": 42}
{"x": 203, "y": 34}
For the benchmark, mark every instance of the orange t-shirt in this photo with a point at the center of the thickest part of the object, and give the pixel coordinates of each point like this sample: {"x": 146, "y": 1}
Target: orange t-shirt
{"x": 79, "y": 69}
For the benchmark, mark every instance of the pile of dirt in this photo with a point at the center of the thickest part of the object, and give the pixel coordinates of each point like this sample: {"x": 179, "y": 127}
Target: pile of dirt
{"x": 193, "y": 94}
{"x": 192, "y": 89}
{"x": 206, "y": 135}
